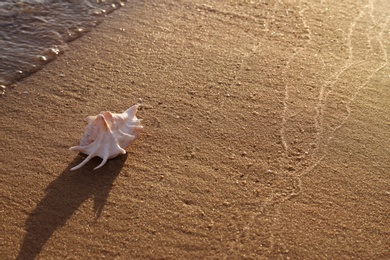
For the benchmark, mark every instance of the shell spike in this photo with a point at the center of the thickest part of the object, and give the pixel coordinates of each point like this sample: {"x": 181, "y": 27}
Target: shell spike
{"x": 83, "y": 162}
{"x": 132, "y": 111}
{"x": 77, "y": 148}
{"x": 105, "y": 158}
{"x": 74, "y": 148}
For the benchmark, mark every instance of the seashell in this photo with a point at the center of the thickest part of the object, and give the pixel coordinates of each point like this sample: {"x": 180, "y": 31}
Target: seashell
{"x": 108, "y": 134}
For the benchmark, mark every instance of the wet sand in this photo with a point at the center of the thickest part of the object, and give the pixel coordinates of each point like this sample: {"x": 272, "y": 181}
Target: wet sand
{"x": 266, "y": 135}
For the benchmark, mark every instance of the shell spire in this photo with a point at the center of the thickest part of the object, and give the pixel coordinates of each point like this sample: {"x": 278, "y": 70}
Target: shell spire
{"x": 108, "y": 134}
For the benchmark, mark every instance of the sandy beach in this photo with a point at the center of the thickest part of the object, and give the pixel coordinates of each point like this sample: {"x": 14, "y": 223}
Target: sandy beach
{"x": 266, "y": 136}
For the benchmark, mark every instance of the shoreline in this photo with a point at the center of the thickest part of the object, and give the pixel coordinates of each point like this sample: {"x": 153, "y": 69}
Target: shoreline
{"x": 48, "y": 29}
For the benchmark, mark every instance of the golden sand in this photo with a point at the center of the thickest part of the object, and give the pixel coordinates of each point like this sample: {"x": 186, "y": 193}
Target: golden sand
{"x": 266, "y": 136}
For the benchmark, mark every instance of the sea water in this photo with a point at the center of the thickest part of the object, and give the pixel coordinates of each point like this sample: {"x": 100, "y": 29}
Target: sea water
{"x": 33, "y": 32}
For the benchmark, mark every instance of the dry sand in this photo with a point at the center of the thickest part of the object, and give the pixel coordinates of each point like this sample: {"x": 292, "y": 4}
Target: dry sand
{"x": 267, "y": 135}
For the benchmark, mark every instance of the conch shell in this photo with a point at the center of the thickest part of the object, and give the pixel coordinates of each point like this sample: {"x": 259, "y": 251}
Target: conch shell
{"x": 108, "y": 134}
